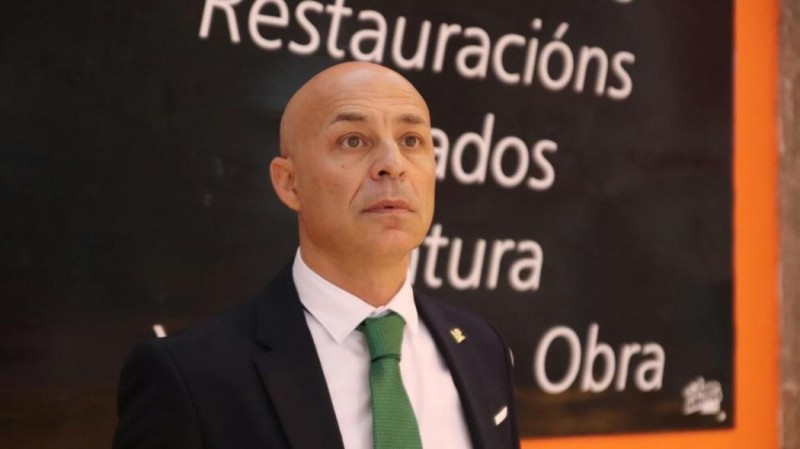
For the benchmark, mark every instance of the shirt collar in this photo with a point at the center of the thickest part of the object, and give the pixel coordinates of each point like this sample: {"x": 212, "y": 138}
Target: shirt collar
{"x": 339, "y": 311}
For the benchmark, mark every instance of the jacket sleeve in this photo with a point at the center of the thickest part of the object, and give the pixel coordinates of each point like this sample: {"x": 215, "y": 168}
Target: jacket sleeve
{"x": 153, "y": 403}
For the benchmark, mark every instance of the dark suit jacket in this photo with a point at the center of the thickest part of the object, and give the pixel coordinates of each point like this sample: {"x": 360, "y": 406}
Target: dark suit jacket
{"x": 252, "y": 379}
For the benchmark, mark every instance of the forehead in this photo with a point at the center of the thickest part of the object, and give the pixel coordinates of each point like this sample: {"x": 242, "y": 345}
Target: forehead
{"x": 372, "y": 99}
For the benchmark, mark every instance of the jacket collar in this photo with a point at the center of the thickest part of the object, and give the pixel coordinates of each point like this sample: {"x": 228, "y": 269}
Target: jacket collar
{"x": 465, "y": 366}
{"x": 290, "y": 369}
{"x": 292, "y": 374}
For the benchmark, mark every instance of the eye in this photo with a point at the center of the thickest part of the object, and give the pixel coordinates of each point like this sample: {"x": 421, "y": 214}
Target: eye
{"x": 352, "y": 141}
{"x": 411, "y": 141}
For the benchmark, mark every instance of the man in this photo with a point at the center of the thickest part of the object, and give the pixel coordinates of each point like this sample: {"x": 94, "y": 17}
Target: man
{"x": 296, "y": 366}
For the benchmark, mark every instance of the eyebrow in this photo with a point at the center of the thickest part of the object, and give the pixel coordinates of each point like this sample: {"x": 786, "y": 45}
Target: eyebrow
{"x": 349, "y": 117}
{"x": 412, "y": 119}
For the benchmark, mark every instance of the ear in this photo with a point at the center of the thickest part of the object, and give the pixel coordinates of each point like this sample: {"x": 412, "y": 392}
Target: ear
{"x": 281, "y": 171}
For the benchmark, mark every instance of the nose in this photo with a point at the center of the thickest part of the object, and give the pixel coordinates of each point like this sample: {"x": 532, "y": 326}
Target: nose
{"x": 389, "y": 161}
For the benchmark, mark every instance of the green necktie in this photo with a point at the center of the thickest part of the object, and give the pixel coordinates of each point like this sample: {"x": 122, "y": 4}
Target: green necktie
{"x": 393, "y": 423}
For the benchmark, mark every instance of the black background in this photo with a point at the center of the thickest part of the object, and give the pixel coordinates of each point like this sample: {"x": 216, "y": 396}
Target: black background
{"x": 133, "y": 169}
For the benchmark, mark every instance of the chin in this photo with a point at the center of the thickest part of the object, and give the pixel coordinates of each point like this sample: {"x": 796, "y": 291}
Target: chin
{"x": 396, "y": 244}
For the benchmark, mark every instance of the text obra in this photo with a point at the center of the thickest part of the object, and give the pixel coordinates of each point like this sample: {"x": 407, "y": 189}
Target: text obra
{"x": 646, "y": 361}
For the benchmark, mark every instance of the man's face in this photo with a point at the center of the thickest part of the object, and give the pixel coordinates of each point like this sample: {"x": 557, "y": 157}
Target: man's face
{"x": 364, "y": 167}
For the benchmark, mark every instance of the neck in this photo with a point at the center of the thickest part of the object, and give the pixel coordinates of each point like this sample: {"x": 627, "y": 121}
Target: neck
{"x": 374, "y": 280}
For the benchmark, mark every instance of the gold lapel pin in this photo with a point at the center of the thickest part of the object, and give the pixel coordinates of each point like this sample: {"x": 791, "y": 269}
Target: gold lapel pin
{"x": 458, "y": 336}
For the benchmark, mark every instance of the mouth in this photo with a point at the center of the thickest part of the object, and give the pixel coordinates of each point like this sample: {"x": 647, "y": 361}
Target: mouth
{"x": 388, "y": 206}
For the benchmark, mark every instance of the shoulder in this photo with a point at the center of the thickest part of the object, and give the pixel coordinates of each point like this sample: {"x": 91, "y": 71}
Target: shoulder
{"x": 215, "y": 337}
{"x": 164, "y": 383}
{"x": 194, "y": 354}
{"x": 231, "y": 338}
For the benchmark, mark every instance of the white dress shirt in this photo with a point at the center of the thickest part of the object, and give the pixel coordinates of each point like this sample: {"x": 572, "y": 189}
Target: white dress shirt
{"x": 333, "y": 315}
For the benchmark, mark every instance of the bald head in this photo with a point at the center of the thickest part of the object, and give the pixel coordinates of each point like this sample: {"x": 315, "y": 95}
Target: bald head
{"x": 335, "y": 86}
{"x": 357, "y": 164}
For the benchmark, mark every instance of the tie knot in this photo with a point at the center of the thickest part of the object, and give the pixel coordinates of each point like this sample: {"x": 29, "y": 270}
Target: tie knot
{"x": 384, "y": 335}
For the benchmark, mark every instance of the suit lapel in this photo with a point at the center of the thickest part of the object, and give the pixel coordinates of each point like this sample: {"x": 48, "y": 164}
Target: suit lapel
{"x": 291, "y": 371}
{"x": 465, "y": 367}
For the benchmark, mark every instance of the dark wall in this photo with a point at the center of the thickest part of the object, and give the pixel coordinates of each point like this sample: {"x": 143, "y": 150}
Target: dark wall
{"x": 133, "y": 167}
